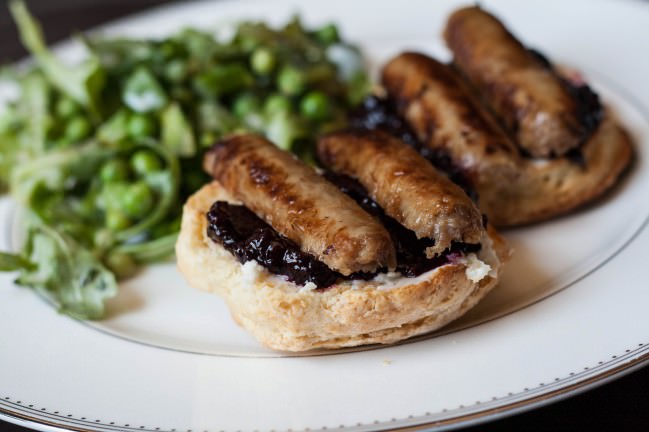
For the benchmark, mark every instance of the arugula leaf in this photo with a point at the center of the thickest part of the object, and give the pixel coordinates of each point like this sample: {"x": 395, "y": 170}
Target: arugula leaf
{"x": 200, "y": 44}
{"x": 222, "y": 80}
{"x": 142, "y": 92}
{"x": 66, "y": 273}
{"x": 23, "y": 125}
{"x": 57, "y": 170}
{"x": 33, "y": 104}
{"x": 115, "y": 129}
{"x": 151, "y": 251}
{"x": 13, "y": 262}
{"x": 119, "y": 56}
{"x": 177, "y": 133}
{"x": 82, "y": 82}
{"x": 8, "y": 148}
{"x": 284, "y": 129}
{"x": 214, "y": 117}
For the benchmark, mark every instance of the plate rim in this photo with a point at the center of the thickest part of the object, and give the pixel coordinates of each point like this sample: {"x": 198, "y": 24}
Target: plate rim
{"x": 588, "y": 378}
{"x": 617, "y": 366}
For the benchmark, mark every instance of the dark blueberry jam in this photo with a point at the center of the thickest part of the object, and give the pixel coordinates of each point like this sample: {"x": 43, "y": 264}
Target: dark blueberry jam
{"x": 380, "y": 113}
{"x": 411, "y": 255}
{"x": 588, "y": 108}
{"x": 248, "y": 238}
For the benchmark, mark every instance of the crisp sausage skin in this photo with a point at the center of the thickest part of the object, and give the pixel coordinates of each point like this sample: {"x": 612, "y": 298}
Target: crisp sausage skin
{"x": 447, "y": 116}
{"x": 513, "y": 190}
{"x": 300, "y": 204}
{"x": 405, "y": 185}
{"x": 524, "y": 92}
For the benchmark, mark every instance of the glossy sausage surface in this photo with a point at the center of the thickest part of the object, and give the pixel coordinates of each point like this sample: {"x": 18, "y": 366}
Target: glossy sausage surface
{"x": 300, "y": 204}
{"x": 447, "y": 116}
{"x": 525, "y": 92}
{"x": 405, "y": 185}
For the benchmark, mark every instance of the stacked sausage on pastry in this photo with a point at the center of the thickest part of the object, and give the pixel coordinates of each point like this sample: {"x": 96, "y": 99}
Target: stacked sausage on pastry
{"x": 533, "y": 144}
{"x": 380, "y": 248}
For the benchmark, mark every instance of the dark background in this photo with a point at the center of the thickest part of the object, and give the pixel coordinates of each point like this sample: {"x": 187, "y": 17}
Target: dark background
{"x": 622, "y": 405}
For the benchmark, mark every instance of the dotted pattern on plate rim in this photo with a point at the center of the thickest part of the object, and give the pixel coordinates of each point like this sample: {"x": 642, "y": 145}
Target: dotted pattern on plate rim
{"x": 69, "y": 419}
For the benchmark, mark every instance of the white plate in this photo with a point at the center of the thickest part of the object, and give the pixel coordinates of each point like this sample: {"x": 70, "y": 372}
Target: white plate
{"x": 169, "y": 358}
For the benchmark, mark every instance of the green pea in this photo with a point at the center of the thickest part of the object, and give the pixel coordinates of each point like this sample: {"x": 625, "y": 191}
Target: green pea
{"x": 263, "y": 61}
{"x": 137, "y": 200}
{"x": 77, "y": 128}
{"x": 176, "y": 70}
{"x": 111, "y": 194}
{"x": 66, "y": 108}
{"x": 144, "y": 162}
{"x": 103, "y": 238}
{"x": 328, "y": 34}
{"x": 114, "y": 170}
{"x": 140, "y": 125}
{"x": 291, "y": 81}
{"x": 121, "y": 264}
{"x": 245, "y": 104}
{"x": 277, "y": 103}
{"x": 315, "y": 105}
{"x": 207, "y": 139}
{"x": 116, "y": 220}
{"x": 248, "y": 43}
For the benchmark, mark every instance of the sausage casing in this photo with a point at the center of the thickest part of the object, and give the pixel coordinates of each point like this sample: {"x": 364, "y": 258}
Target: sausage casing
{"x": 300, "y": 204}
{"x": 447, "y": 116}
{"x": 405, "y": 185}
{"x": 525, "y": 93}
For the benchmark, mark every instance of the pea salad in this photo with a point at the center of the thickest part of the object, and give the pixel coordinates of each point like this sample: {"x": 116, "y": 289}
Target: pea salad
{"x": 102, "y": 154}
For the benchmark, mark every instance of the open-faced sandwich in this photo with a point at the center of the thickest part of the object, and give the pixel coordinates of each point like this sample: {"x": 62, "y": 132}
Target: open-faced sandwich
{"x": 532, "y": 142}
{"x": 379, "y": 248}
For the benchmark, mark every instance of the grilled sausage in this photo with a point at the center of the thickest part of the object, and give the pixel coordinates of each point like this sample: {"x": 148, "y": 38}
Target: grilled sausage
{"x": 405, "y": 185}
{"x": 513, "y": 190}
{"x": 446, "y": 116}
{"x": 524, "y": 91}
{"x": 300, "y": 204}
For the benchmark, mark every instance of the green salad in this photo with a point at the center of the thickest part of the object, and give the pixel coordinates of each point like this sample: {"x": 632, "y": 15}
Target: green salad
{"x": 102, "y": 154}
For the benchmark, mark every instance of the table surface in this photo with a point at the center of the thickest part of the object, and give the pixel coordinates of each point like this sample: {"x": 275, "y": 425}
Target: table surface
{"x": 620, "y": 405}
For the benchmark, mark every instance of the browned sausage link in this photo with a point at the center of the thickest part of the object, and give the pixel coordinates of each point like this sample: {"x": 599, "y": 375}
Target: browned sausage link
{"x": 405, "y": 185}
{"x": 300, "y": 204}
{"x": 528, "y": 96}
{"x": 446, "y": 116}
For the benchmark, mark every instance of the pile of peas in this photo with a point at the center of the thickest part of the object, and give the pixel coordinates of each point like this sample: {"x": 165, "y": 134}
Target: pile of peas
{"x": 126, "y": 196}
{"x": 282, "y": 83}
